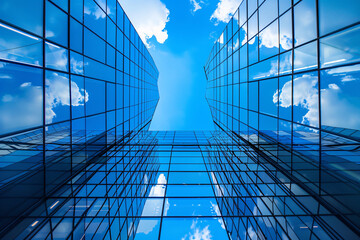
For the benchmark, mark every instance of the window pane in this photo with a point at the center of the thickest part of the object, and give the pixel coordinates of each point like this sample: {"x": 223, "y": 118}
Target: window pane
{"x": 56, "y": 24}
{"x": 340, "y": 48}
{"x": 306, "y": 99}
{"x": 21, "y": 97}
{"x": 57, "y": 97}
{"x": 305, "y": 21}
{"x": 340, "y": 99}
{"x": 56, "y": 57}
{"x": 346, "y": 12}
{"x": 23, "y": 13}
{"x": 18, "y": 46}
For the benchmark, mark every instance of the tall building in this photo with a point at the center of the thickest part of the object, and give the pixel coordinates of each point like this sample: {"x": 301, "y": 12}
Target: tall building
{"x": 78, "y": 89}
{"x": 284, "y": 77}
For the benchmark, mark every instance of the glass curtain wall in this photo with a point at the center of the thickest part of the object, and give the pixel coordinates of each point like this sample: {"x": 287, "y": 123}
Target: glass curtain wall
{"x": 284, "y": 77}
{"x": 75, "y": 78}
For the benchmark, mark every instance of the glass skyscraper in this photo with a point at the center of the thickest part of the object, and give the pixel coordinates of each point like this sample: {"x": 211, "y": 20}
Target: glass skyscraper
{"x": 78, "y": 89}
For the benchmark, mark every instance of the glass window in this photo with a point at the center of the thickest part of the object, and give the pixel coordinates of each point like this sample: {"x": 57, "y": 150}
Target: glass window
{"x": 252, "y": 6}
{"x": 23, "y": 13}
{"x": 110, "y": 94}
{"x": 56, "y": 25}
{"x": 21, "y": 97}
{"x": 78, "y": 96}
{"x": 284, "y": 5}
{"x": 340, "y": 99}
{"x": 76, "y": 36}
{"x": 90, "y": 41}
{"x": 76, "y": 9}
{"x": 305, "y": 21}
{"x": 285, "y": 63}
{"x": 306, "y": 99}
{"x": 269, "y": 41}
{"x": 268, "y": 96}
{"x": 191, "y": 207}
{"x": 346, "y": 12}
{"x": 96, "y": 94}
{"x": 305, "y": 57}
{"x": 286, "y": 32}
{"x": 94, "y": 18}
{"x": 57, "y": 97}
{"x": 63, "y": 4}
{"x": 76, "y": 63}
{"x": 340, "y": 48}
{"x": 243, "y": 13}
{"x": 56, "y": 57}
{"x": 175, "y": 228}
{"x": 253, "y": 96}
{"x": 284, "y": 97}
{"x": 18, "y": 46}
{"x": 244, "y": 95}
{"x": 253, "y": 50}
{"x": 148, "y": 228}
{"x": 267, "y": 13}
{"x": 253, "y": 25}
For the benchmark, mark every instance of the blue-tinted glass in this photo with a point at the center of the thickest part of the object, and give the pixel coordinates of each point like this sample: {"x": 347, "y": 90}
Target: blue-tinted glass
{"x": 305, "y": 99}
{"x": 91, "y": 40}
{"x": 252, "y": 6}
{"x": 346, "y": 12}
{"x": 285, "y": 97}
{"x": 253, "y": 96}
{"x": 76, "y": 9}
{"x": 191, "y": 207}
{"x": 340, "y": 97}
{"x": 56, "y": 25}
{"x": 63, "y": 4}
{"x": 305, "y": 21}
{"x": 94, "y": 18}
{"x": 189, "y": 191}
{"x": 96, "y": 96}
{"x": 76, "y": 36}
{"x": 111, "y": 96}
{"x": 269, "y": 41}
{"x": 189, "y": 178}
{"x": 21, "y": 104}
{"x": 285, "y": 63}
{"x": 18, "y": 46}
{"x": 267, "y": 13}
{"x": 56, "y": 57}
{"x": 268, "y": 96}
{"x": 76, "y": 63}
{"x": 188, "y": 228}
{"x": 243, "y": 56}
{"x": 148, "y": 229}
{"x": 340, "y": 48}
{"x": 305, "y": 57}
{"x": 253, "y": 50}
{"x": 284, "y": 5}
{"x": 78, "y": 96}
{"x": 23, "y": 13}
{"x": 286, "y": 31}
{"x": 57, "y": 97}
{"x": 253, "y": 25}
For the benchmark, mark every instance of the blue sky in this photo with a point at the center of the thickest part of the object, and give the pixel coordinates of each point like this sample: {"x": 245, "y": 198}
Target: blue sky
{"x": 180, "y": 40}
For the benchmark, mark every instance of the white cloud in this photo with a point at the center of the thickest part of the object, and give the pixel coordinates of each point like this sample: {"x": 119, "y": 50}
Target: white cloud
{"x": 224, "y": 11}
{"x": 57, "y": 94}
{"x": 21, "y": 109}
{"x": 305, "y": 96}
{"x": 149, "y": 18}
{"x": 196, "y": 5}
{"x": 198, "y": 233}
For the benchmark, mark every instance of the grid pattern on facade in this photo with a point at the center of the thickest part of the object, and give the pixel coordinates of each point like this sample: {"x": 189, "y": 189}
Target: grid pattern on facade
{"x": 75, "y": 79}
{"x": 278, "y": 78}
{"x": 172, "y": 185}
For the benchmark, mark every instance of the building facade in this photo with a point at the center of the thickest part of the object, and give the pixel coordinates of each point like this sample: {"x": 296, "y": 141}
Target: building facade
{"x": 76, "y": 79}
{"x": 284, "y": 77}
{"x": 78, "y": 90}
